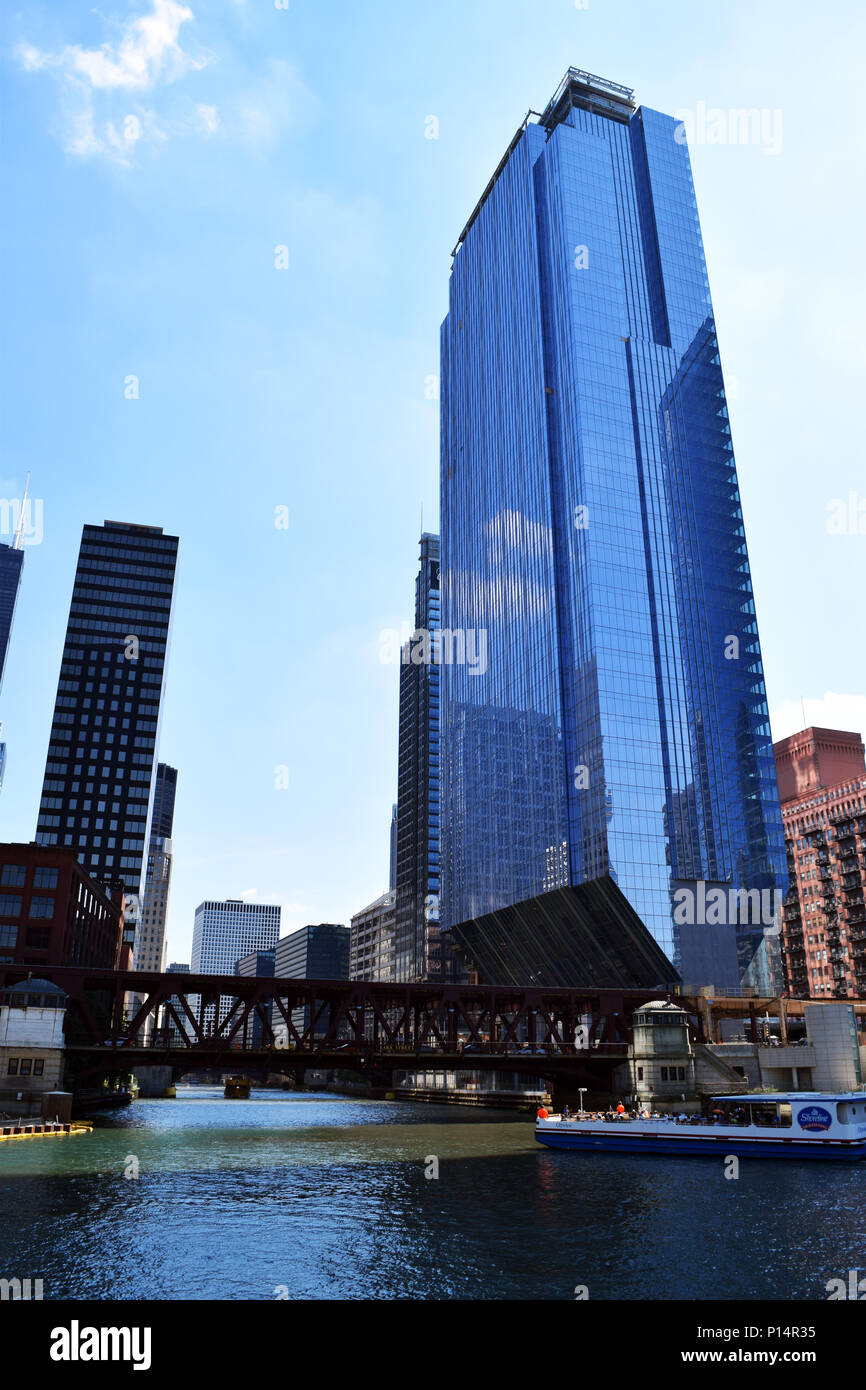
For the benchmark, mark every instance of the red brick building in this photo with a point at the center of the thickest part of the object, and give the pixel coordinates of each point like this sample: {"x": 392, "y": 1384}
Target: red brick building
{"x": 53, "y": 913}
{"x": 822, "y": 786}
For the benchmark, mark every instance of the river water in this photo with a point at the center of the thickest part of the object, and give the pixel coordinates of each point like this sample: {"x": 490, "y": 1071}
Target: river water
{"x": 316, "y": 1196}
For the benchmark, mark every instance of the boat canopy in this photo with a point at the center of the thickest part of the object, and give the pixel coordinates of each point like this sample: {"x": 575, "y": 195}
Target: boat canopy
{"x": 772, "y": 1097}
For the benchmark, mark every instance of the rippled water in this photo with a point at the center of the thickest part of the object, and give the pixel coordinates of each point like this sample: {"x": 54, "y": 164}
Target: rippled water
{"x": 316, "y": 1196}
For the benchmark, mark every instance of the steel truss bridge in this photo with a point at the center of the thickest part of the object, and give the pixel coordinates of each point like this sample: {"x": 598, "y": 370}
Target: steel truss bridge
{"x": 118, "y": 1021}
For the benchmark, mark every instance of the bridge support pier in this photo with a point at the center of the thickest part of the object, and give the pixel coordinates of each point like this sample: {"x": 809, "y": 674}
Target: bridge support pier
{"x": 153, "y": 1082}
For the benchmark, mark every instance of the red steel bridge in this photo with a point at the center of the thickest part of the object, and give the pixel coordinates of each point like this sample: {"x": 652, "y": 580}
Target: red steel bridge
{"x": 118, "y": 1021}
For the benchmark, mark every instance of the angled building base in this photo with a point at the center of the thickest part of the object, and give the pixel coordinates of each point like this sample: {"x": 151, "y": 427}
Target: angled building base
{"x": 584, "y": 937}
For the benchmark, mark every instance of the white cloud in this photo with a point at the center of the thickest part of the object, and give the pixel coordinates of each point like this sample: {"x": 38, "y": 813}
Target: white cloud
{"x": 146, "y": 54}
{"x": 148, "y": 51}
{"x": 102, "y": 88}
{"x": 828, "y": 711}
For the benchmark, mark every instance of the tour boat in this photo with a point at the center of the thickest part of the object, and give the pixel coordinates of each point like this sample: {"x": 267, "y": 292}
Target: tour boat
{"x": 798, "y": 1124}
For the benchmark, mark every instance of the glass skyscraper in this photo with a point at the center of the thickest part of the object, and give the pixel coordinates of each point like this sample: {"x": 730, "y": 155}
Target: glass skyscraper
{"x": 417, "y": 946}
{"x": 591, "y": 527}
{"x": 102, "y": 752}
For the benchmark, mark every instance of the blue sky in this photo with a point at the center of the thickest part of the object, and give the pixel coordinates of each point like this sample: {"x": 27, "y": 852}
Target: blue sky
{"x": 159, "y": 152}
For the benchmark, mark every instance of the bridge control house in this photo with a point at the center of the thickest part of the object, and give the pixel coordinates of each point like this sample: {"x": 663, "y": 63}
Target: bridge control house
{"x": 31, "y": 1050}
{"x": 53, "y": 913}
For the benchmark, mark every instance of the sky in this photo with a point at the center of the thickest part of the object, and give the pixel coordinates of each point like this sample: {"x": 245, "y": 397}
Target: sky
{"x": 225, "y": 260}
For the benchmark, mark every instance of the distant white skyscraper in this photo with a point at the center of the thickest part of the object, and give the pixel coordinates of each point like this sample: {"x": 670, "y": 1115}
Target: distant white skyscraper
{"x": 223, "y": 933}
{"x": 150, "y": 943}
{"x": 226, "y": 931}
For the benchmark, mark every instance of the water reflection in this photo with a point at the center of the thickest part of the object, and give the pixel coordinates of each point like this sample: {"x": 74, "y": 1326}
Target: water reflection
{"x": 327, "y": 1198}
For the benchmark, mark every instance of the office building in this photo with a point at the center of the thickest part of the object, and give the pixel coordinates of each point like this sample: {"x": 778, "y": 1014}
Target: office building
{"x": 255, "y": 965}
{"x": 822, "y": 783}
{"x": 392, "y": 868}
{"x": 417, "y": 945}
{"x": 11, "y": 564}
{"x": 317, "y": 952}
{"x": 174, "y": 1023}
{"x": 371, "y": 941}
{"x": 613, "y": 747}
{"x": 102, "y": 752}
{"x": 150, "y": 945}
{"x": 258, "y": 965}
{"x": 54, "y": 913}
{"x": 226, "y": 931}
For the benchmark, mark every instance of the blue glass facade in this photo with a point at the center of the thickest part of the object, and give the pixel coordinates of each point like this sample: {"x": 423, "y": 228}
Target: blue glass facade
{"x": 591, "y": 525}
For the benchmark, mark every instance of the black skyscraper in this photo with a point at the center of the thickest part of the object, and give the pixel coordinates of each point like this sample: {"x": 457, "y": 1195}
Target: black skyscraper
{"x": 417, "y": 945}
{"x": 11, "y": 561}
{"x": 102, "y": 753}
{"x": 162, "y": 819}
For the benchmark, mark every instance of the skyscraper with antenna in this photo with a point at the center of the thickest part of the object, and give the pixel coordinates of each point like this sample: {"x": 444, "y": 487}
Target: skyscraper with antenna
{"x": 11, "y": 565}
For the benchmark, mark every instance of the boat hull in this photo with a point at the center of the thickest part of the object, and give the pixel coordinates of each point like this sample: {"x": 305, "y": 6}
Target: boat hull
{"x": 706, "y": 1146}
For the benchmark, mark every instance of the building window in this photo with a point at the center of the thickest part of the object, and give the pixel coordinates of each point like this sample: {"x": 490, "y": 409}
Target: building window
{"x": 10, "y": 905}
{"x": 26, "y": 1065}
{"x": 664, "y": 1073}
{"x": 640, "y": 1073}
{"x": 12, "y": 875}
{"x": 38, "y": 1066}
{"x": 12, "y": 1069}
{"x": 44, "y": 877}
{"x": 41, "y": 907}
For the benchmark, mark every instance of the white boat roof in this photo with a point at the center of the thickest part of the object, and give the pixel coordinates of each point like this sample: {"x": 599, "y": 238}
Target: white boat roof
{"x": 773, "y": 1096}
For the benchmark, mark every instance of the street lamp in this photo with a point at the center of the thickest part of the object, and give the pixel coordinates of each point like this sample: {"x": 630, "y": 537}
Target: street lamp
{"x": 581, "y": 1091}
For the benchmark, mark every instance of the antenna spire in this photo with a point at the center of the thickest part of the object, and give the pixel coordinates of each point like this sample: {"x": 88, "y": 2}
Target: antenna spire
{"x": 16, "y": 545}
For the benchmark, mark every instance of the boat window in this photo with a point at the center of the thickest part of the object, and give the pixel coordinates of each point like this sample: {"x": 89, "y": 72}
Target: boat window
{"x": 765, "y": 1116}
{"x": 728, "y": 1113}
{"x": 786, "y": 1119}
